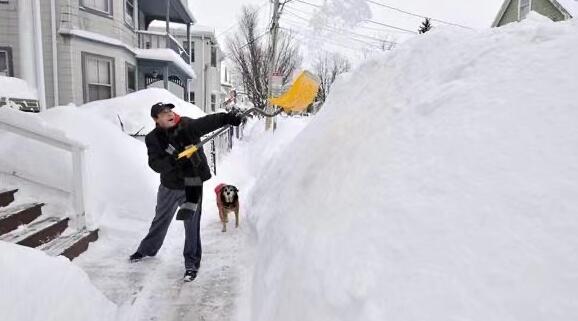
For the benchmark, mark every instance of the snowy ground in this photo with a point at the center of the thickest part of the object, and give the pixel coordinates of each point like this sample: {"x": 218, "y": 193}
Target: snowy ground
{"x": 153, "y": 289}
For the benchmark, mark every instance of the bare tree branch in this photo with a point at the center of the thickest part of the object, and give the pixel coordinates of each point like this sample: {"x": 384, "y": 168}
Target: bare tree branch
{"x": 328, "y": 67}
{"x": 251, "y": 53}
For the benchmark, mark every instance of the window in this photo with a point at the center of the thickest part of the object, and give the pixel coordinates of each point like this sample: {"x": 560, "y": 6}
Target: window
{"x": 130, "y": 78}
{"x": 98, "y": 77}
{"x": 186, "y": 47}
{"x": 98, "y": 5}
{"x": 524, "y": 8}
{"x": 192, "y": 97}
{"x": 129, "y": 12}
{"x": 6, "y": 61}
{"x": 192, "y": 51}
{"x": 213, "y": 56}
{"x": 213, "y": 102}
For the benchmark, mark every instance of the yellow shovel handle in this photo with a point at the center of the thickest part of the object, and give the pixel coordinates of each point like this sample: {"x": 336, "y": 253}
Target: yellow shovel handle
{"x": 188, "y": 152}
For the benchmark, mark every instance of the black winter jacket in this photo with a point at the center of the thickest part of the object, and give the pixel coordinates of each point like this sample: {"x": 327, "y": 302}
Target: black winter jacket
{"x": 187, "y": 132}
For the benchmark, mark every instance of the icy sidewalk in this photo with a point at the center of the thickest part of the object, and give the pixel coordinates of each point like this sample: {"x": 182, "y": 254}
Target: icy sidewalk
{"x": 153, "y": 288}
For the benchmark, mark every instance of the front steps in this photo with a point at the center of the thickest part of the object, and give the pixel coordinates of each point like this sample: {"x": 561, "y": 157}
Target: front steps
{"x": 25, "y": 225}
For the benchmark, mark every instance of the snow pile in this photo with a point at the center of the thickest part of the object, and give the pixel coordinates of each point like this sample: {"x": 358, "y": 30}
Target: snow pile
{"x": 16, "y": 88}
{"x": 134, "y": 109}
{"x": 437, "y": 183}
{"x": 37, "y": 287}
{"x": 119, "y": 183}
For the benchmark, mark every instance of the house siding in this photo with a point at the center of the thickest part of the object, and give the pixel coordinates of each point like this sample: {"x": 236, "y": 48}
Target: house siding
{"x": 511, "y": 13}
{"x": 213, "y": 74}
{"x": 546, "y": 8}
{"x": 9, "y": 33}
{"x": 74, "y": 84}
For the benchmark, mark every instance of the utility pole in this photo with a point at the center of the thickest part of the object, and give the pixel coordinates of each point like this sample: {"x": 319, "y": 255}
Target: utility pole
{"x": 272, "y": 62}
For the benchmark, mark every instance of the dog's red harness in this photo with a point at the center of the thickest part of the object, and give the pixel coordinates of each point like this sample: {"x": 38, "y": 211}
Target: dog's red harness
{"x": 219, "y": 188}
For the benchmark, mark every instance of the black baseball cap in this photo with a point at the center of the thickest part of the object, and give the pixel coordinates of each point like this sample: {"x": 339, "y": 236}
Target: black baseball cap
{"x": 157, "y": 108}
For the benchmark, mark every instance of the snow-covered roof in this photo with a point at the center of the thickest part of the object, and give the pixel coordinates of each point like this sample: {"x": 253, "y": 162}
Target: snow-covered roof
{"x": 96, "y": 37}
{"x": 153, "y": 54}
{"x": 16, "y": 88}
{"x": 165, "y": 55}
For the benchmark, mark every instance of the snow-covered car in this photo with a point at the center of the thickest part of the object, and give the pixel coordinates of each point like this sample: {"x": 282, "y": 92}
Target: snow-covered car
{"x": 16, "y": 93}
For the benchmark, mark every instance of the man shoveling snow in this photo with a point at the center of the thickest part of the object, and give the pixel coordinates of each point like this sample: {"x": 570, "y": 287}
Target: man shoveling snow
{"x": 181, "y": 179}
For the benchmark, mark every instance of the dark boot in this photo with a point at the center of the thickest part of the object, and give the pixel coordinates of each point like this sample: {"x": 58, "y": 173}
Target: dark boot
{"x": 135, "y": 257}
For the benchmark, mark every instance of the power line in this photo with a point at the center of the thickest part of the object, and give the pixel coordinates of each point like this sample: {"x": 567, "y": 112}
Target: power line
{"x": 341, "y": 31}
{"x": 415, "y": 14}
{"x": 250, "y": 42}
{"x": 335, "y": 43}
{"x": 367, "y": 20}
{"x": 390, "y": 26}
{"x": 349, "y": 38}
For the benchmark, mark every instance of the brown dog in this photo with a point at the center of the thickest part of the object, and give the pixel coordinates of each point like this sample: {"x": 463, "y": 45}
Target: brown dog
{"x": 227, "y": 201}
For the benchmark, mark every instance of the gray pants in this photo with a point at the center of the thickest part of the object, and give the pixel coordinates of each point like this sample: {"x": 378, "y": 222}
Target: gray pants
{"x": 168, "y": 200}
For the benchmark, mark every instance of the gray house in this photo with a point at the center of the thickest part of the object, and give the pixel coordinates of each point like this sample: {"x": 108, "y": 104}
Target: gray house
{"x": 206, "y": 58}
{"x": 76, "y": 51}
{"x": 517, "y": 10}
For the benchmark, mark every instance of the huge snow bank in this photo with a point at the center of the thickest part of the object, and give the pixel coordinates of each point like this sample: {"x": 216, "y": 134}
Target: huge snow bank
{"x": 134, "y": 109}
{"x": 37, "y": 287}
{"x": 437, "y": 183}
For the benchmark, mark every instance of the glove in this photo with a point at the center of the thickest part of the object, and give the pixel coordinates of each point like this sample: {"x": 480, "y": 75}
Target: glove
{"x": 235, "y": 118}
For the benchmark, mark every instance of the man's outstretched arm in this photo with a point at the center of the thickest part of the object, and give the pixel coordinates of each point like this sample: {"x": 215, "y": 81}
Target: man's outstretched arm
{"x": 204, "y": 125}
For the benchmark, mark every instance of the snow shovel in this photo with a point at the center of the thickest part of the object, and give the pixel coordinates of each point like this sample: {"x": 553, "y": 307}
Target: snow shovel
{"x": 299, "y": 96}
{"x": 189, "y": 151}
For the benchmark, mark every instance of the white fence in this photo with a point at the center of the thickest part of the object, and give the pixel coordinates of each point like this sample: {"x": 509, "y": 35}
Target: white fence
{"x": 77, "y": 152}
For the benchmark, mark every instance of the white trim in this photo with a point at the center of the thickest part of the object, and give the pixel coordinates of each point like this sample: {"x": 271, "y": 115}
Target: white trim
{"x": 500, "y": 14}
{"x": 520, "y": 9}
{"x": 96, "y": 37}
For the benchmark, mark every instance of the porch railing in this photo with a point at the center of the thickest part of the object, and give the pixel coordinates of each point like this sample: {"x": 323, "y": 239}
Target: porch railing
{"x": 155, "y": 39}
{"x": 77, "y": 151}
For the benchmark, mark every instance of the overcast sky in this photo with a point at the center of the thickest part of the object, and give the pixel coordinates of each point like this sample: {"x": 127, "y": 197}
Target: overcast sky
{"x": 222, "y": 15}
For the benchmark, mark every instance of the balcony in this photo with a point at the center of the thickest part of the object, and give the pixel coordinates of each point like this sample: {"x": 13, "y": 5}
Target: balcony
{"x": 171, "y": 10}
{"x": 161, "y": 40}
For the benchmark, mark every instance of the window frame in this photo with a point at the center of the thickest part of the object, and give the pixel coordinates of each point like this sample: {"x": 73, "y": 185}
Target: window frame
{"x": 520, "y": 16}
{"x": 132, "y": 23}
{"x": 86, "y": 85}
{"x": 213, "y": 102}
{"x": 213, "y": 56}
{"x": 128, "y": 66}
{"x": 9, "y": 60}
{"x": 96, "y": 11}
